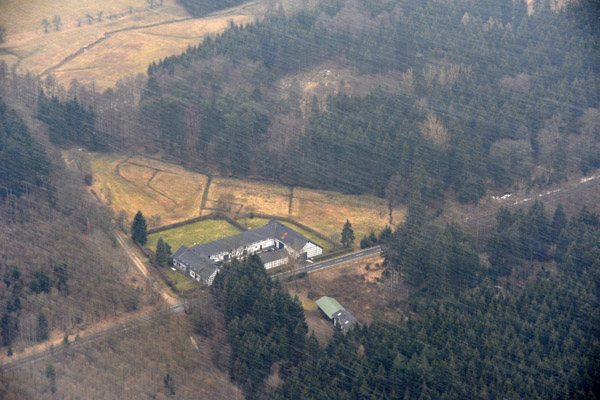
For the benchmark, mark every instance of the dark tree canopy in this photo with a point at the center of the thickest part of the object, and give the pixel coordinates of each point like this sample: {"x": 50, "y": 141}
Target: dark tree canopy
{"x": 138, "y": 229}
{"x": 483, "y": 86}
{"x": 163, "y": 253}
{"x": 199, "y": 8}
{"x": 347, "y": 235}
{"x": 24, "y": 165}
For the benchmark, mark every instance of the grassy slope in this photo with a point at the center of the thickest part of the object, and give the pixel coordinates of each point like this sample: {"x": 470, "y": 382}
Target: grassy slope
{"x": 124, "y": 53}
{"x": 180, "y": 191}
{"x": 174, "y": 193}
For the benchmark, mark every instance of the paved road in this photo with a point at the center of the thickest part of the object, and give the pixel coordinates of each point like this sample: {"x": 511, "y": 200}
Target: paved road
{"x": 330, "y": 263}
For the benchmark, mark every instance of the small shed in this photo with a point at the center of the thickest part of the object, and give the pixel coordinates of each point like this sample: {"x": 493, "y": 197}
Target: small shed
{"x": 334, "y": 311}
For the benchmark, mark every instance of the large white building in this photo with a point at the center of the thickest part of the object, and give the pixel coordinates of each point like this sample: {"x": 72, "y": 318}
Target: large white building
{"x": 275, "y": 243}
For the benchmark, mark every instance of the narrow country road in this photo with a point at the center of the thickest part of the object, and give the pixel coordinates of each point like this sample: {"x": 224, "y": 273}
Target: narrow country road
{"x": 46, "y": 348}
{"x": 140, "y": 265}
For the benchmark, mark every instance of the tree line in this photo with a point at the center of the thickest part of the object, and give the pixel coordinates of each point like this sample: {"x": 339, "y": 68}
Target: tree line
{"x": 471, "y": 342}
{"x": 474, "y": 111}
{"x": 265, "y": 325}
{"x": 24, "y": 165}
{"x": 469, "y": 334}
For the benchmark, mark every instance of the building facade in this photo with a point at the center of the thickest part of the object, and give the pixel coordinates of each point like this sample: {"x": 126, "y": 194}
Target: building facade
{"x": 275, "y": 243}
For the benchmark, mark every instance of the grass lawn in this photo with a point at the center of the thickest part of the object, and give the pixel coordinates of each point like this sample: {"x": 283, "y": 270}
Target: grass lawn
{"x": 198, "y": 232}
{"x": 182, "y": 282}
{"x": 252, "y": 223}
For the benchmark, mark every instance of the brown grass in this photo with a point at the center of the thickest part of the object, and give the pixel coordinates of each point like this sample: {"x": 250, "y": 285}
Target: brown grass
{"x": 132, "y": 365}
{"x": 132, "y": 51}
{"x": 353, "y": 286}
{"x": 124, "y": 53}
{"x": 258, "y": 197}
{"x": 137, "y": 175}
{"x": 174, "y": 193}
{"x": 327, "y": 212}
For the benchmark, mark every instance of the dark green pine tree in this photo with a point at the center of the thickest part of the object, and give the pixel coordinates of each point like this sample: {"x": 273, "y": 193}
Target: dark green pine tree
{"x": 42, "y": 328}
{"x": 347, "y": 235}
{"x": 138, "y": 229}
{"x": 559, "y": 221}
{"x": 162, "y": 255}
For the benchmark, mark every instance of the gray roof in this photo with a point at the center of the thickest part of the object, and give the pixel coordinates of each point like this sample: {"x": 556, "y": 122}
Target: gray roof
{"x": 205, "y": 270}
{"x": 344, "y": 318}
{"x": 182, "y": 249}
{"x": 188, "y": 257}
{"x": 273, "y": 229}
{"x": 197, "y": 257}
{"x": 270, "y": 256}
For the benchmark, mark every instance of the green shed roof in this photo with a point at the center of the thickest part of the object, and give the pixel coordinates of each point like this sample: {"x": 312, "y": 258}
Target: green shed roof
{"x": 329, "y": 305}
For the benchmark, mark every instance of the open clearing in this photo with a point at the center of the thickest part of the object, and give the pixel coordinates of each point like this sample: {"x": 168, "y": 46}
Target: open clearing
{"x": 196, "y": 233}
{"x": 250, "y": 196}
{"x": 167, "y": 193}
{"x": 153, "y": 187}
{"x": 327, "y": 211}
{"x": 352, "y": 285}
{"x": 126, "y": 37}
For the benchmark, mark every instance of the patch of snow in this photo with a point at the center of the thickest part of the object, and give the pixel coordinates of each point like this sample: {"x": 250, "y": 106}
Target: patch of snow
{"x": 589, "y": 178}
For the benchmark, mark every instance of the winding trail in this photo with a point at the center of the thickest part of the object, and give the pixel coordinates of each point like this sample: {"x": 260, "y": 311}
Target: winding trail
{"x": 109, "y": 34}
{"x": 106, "y": 36}
{"x": 148, "y": 183}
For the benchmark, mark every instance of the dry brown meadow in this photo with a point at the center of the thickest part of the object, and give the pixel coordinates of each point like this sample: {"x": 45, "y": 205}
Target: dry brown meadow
{"x": 174, "y": 194}
{"x": 151, "y": 34}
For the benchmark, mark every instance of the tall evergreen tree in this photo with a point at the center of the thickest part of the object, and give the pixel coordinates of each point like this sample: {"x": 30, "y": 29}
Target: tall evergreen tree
{"x": 42, "y": 328}
{"x": 163, "y": 253}
{"x": 559, "y": 221}
{"x": 138, "y": 229}
{"x": 347, "y": 235}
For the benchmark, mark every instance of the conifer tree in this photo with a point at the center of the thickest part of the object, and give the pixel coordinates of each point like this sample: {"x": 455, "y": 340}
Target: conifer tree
{"x": 347, "y": 235}
{"x": 138, "y": 229}
{"x": 163, "y": 252}
{"x": 42, "y": 328}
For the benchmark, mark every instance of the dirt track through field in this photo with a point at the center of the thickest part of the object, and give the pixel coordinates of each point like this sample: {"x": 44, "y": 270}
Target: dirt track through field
{"x": 109, "y": 34}
{"x": 106, "y": 36}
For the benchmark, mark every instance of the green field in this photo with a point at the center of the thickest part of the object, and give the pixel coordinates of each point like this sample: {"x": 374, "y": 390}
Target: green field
{"x": 252, "y": 223}
{"x": 198, "y": 232}
{"x": 181, "y": 281}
